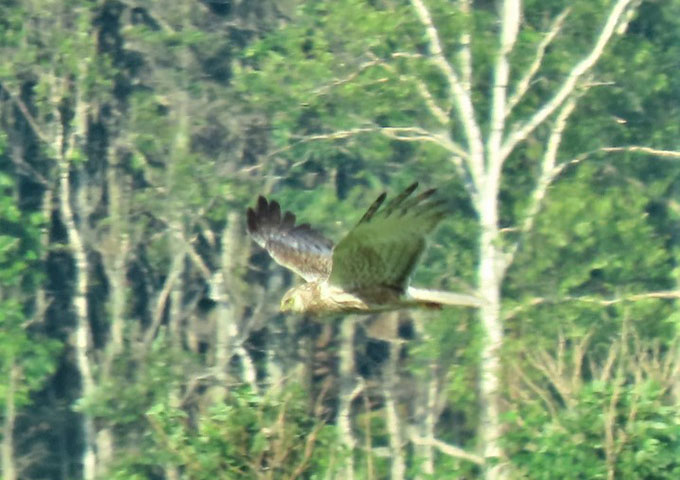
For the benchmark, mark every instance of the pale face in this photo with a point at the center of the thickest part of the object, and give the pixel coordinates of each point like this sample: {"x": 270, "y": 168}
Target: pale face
{"x": 293, "y": 301}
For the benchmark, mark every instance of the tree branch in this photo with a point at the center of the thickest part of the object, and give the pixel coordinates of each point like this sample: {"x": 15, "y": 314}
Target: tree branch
{"x": 509, "y": 27}
{"x": 523, "y": 130}
{"x": 658, "y": 295}
{"x": 413, "y": 134}
{"x": 437, "y": 112}
{"x": 161, "y": 301}
{"x": 405, "y": 134}
{"x": 464, "y": 55}
{"x": 548, "y": 174}
{"x": 30, "y": 119}
{"x": 540, "y": 392}
{"x": 523, "y": 85}
{"x": 461, "y": 97}
{"x": 362, "y": 67}
{"x": 646, "y": 150}
{"x": 448, "y": 449}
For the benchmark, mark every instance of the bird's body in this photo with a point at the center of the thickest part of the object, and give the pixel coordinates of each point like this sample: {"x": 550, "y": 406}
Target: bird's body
{"x": 368, "y": 270}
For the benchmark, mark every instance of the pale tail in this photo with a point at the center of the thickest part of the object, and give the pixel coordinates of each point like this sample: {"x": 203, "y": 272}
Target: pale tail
{"x": 443, "y": 298}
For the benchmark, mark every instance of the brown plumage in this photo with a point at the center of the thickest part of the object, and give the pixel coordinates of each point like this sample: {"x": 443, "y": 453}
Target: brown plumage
{"x": 369, "y": 269}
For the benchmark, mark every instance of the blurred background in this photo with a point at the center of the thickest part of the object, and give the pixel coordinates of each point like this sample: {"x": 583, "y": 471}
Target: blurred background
{"x": 140, "y": 336}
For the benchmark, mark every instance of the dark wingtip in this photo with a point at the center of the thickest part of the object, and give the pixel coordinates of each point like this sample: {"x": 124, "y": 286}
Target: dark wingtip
{"x": 274, "y": 213}
{"x": 409, "y": 190}
{"x": 288, "y": 220}
{"x": 373, "y": 208}
{"x": 428, "y": 193}
{"x": 251, "y": 220}
{"x": 262, "y": 205}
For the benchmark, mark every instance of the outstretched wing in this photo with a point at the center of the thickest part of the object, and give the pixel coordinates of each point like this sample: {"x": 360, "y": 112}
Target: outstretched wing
{"x": 385, "y": 246}
{"x": 297, "y": 247}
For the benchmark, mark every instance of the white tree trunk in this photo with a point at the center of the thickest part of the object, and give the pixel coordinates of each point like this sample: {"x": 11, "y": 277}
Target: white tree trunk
{"x": 224, "y": 290}
{"x": 426, "y": 417}
{"x": 113, "y": 249}
{"x": 8, "y": 466}
{"x": 490, "y": 368}
{"x": 392, "y": 420}
{"x": 349, "y": 389}
{"x": 81, "y": 340}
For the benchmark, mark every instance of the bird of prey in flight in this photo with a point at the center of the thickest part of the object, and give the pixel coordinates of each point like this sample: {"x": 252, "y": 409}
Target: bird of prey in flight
{"x": 369, "y": 269}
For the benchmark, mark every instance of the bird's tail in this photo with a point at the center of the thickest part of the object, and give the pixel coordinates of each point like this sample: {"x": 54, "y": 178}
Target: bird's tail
{"x": 436, "y": 298}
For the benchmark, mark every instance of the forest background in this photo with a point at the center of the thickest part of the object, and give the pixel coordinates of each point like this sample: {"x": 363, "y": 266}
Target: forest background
{"x": 139, "y": 329}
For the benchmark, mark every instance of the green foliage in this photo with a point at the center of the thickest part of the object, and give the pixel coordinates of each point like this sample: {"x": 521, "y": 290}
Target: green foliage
{"x": 247, "y": 436}
{"x": 644, "y": 438}
{"x": 320, "y": 89}
{"x": 21, "y": 348}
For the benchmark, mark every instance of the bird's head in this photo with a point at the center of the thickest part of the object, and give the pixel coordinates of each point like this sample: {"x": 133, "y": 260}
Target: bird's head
{"x": 301, "y": 299}
{"x": 294, "y": 300}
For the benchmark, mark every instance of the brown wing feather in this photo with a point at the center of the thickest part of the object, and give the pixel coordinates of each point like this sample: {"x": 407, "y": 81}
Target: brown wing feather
{"x": 297, "y": 247}
{"x": 386, "y": 245}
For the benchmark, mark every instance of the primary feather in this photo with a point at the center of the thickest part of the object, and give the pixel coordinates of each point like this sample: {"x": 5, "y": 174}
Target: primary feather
{"x": 297, "y": 247}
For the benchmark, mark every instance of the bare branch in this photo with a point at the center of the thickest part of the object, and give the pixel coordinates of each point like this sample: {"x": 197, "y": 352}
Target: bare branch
{"x": 523, "y": 85}
{"x": 196, "y": 259}
{"x": 578, "y": 354}
{"x": 646, "y": 150}
{"x": 631, "y": 148}
{"x": 406, "y": 134}
{"x": 659, "y": 295}
{"x": 27, "y": 169}
{"x": 407, "y": 55}
{"x": 509, "y": 27}
{"x": 550, "y": 170}
{"x": 30, "y": 119}
{"x": 667, "y": 294}
{"x": 464, "y": 55}
{"x": 522, "y": 131}
{"x": 447, "y": 448}
{"x": 172, "y": 277}
{"x": 440, "y": 114}
{"x": 540, "y": 392}
{"x": 341, "y": 81}
{"x": 462, "y": 98}
{"x": 413, "y": 134}
{"x": 552, "y": 371}
{"x": 548, "y": 174}
{"x": 437, "y": 112}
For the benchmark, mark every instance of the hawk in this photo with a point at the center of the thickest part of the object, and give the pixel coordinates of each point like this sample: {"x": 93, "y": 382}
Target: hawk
{"x": 369, "y": 269}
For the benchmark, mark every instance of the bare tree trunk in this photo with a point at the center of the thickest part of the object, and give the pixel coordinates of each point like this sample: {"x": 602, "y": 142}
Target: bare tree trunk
{"x": 349, "y": 389}
{"x": 82, "y": 343}
{"x": 174, "y": 328}
{"x": 490, "y": 369}
{"x": 426, "y": 416}
{"x": 114, "y": 257}
{"x": 394, "y": 425}
{"x": 232, "y": 253}
{"x": 114, "y": 249}
{"x": 65, "y": 147}
{"x": 9, "y": 471}
{"x": 224, "y": 286}
{"x": 490, "y": 277}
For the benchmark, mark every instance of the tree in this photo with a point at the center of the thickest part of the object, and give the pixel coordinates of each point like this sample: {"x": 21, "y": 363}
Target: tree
{"x": 134, "y": 135}
{"x": 27, "y": 357}
{"x": 111, "y": 109}
{"x": 493, "y": 92}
